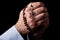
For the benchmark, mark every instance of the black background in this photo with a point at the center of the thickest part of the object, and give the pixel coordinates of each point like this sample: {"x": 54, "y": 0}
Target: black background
{"x": 9, "y": 12}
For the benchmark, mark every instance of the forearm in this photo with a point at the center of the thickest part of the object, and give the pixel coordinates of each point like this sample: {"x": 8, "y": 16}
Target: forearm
{"x": 11, "y": 34}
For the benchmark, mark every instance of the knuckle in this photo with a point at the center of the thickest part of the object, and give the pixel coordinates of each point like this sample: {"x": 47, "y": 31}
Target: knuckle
{"x": 40, "y": 3}
{"x": 46, "y": 14}
{"x": 43, "y": 14}
{"x": 46, "y": 9}
{"x": 42, "y": 8}
{"x": 29, "y": 4}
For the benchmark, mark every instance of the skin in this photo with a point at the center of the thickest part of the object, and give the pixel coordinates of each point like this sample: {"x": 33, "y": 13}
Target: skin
{"x": 39, "y": 19}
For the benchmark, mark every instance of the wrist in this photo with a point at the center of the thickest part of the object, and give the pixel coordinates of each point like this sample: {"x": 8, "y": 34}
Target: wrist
{"x": 22, "y": 29}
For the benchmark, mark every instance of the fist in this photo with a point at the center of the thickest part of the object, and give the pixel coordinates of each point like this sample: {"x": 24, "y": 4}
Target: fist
{"x": 35, "y": 14}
